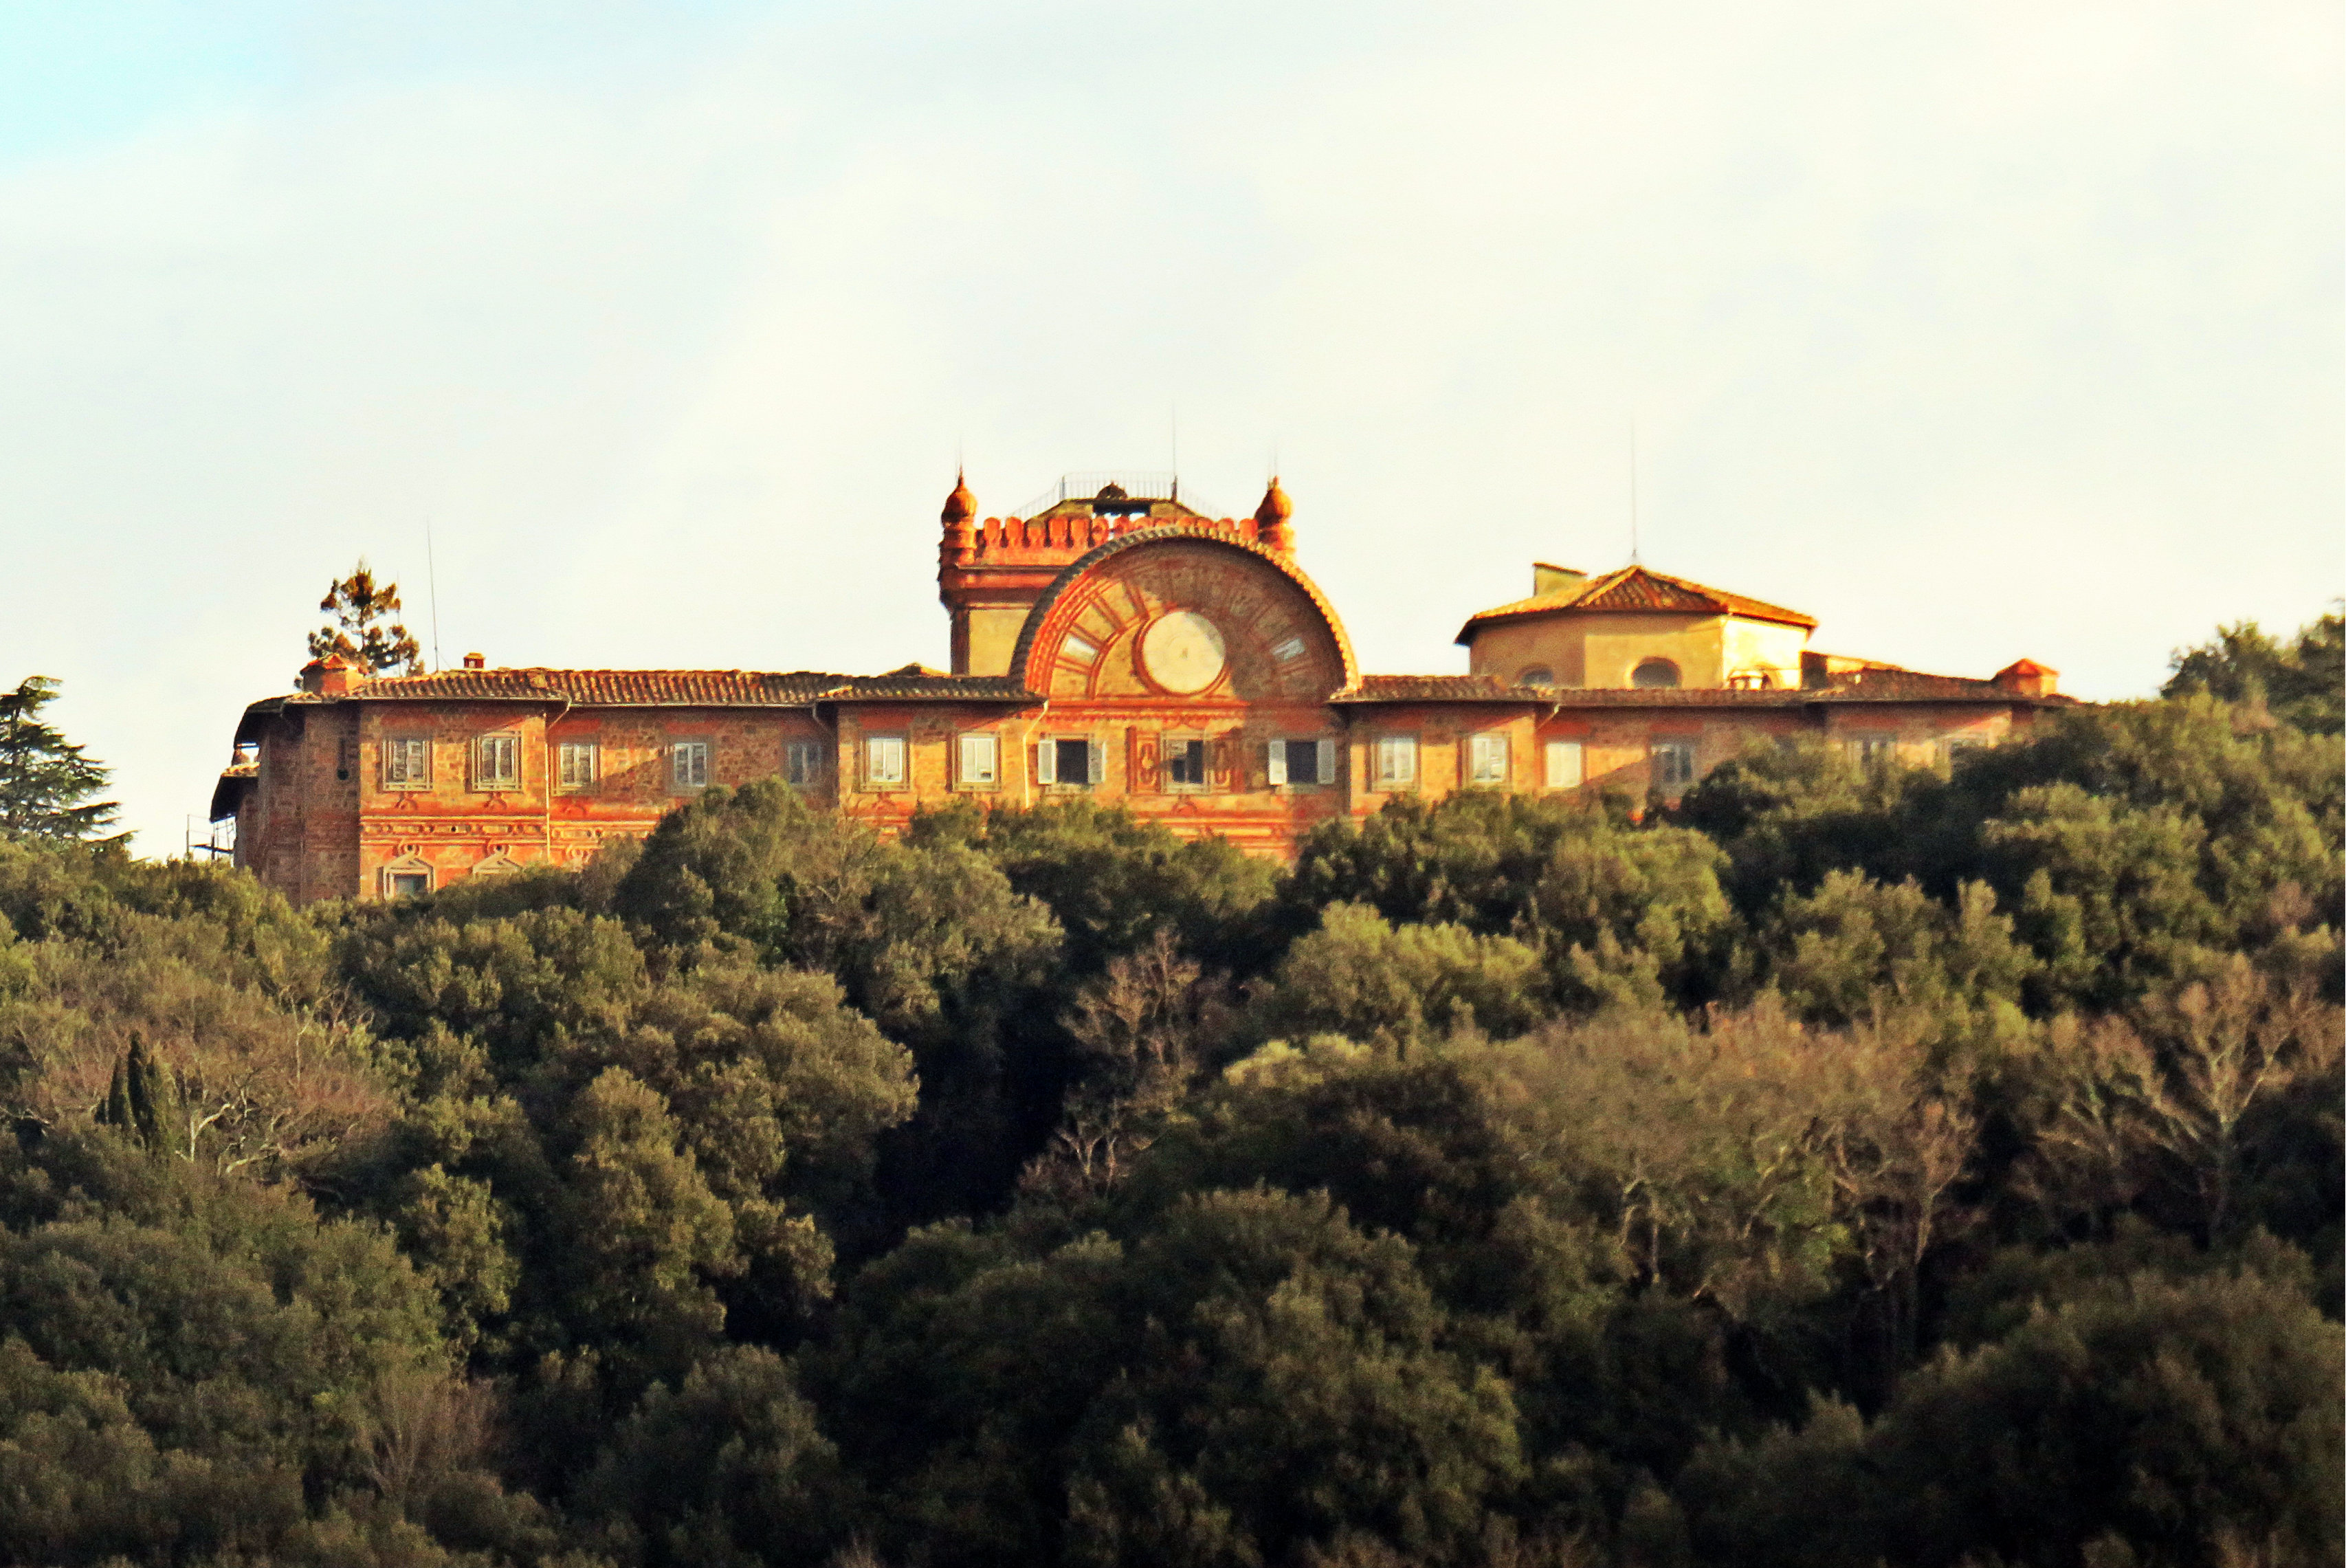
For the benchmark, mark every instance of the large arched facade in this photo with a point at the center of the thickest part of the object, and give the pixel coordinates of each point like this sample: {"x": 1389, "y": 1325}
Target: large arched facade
{"x": 1101, "y": 630}
{"x": 1190, "y": 672}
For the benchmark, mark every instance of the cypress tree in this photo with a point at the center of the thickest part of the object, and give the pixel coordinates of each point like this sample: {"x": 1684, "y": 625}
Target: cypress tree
{"x": 149, "y": 1094}
{"x": 115, "y": 1112}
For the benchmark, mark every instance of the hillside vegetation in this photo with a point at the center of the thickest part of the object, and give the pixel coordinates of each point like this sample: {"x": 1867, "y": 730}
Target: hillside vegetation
{"x": 1843, "y": 1167}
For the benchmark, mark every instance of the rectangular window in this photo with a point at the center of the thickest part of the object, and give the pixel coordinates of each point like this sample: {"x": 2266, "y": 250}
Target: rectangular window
{"x": 1879, "y": 746}
{"x": 802, "y": 763}
{"x": 883, "y": 761}
{"x": 1564, "y": 764}
{"x": 1185, "y": 763}
{"x": 1396, "y": 761}
{"x": 1292, "y": 648}
{"x": 407, "y": 763}
{"x": 1070, "y": 762}
{"x": 979, "y": 762}
{"x": 1673, "y": 764}
{"x": 688, "y": 764}
{"x": 496, "y": 762}
{"x": 577, "y": 764}
{"x": 407, "y": 884}
{"x": 1487, "y": 759}
{"x": 1302, "y": 763}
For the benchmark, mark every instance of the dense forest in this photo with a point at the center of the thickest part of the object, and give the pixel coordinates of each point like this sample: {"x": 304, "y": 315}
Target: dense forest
{"x": 1846, "y": 1165}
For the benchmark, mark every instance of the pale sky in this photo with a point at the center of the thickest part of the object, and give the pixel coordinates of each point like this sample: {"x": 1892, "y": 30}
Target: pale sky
{"x": 1977, "y": 329}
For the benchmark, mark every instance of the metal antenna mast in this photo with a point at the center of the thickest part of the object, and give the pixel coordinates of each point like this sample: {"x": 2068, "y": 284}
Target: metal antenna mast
{"x": 432, "y": 587}
{"x": 1634, "y": 559}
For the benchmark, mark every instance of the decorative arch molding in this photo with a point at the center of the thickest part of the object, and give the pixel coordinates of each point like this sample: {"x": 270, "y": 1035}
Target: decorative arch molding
{"x": 1087, "y": 582}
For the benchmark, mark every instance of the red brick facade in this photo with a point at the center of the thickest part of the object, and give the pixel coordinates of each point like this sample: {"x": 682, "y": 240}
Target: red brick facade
{"x": 1120, "y": 647}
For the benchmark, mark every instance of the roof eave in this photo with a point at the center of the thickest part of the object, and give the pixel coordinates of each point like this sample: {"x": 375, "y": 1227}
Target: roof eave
{"x": 1465, "y": 638}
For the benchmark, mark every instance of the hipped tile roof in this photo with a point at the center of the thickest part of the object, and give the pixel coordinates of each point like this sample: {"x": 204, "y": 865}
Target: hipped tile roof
{"x": 655, "y": 688}
{"x": 672, "y": 687}
{"x": 1852, "y": 686}
{"x": 1634, "y": 589}
{"x": 602, "y": 688}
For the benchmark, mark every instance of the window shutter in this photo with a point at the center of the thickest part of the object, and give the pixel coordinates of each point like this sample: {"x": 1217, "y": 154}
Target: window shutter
{"x": 1563, "y": 765}
{"x": 1097, "y": 753}
{"x": 1047, "y": 762}
{"x": 1275, "y": 762}
{"x": 1327, "y": 763}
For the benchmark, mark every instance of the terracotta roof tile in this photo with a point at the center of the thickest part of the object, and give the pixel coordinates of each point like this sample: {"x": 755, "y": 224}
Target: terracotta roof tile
{"x": 1853, "y": 687}
{"x": 921, "y": 683}
{"x": 1885, "y": 684}
{"x": 605, "y": 687}
{"x": 1634, "y": 589}
{"x": 1439, "y": 688}
{"x": 235, "y": 779}
{"x": 656, "y": 688}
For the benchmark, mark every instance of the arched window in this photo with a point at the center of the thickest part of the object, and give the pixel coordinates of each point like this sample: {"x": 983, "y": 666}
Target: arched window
{"x": 1538, "y": 675}
{"x": 1654, "y": 673}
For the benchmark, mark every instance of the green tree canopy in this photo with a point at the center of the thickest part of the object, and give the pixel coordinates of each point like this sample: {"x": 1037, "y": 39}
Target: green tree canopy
{"x": 47, "y": 784}
{"x": 2302, "y": 682}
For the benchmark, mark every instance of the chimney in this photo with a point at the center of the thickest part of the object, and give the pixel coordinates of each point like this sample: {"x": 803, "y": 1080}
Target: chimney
{"x": 1547, "y": 579}
{"x": 313, "y": 675}
{"x": 333, "y": 675}
{"x": 2029, "y": 679}
{"x": 475, "y": 661}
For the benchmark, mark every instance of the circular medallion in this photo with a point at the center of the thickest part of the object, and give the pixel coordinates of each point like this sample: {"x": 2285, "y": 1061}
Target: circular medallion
{"x": 1182, "y": 651}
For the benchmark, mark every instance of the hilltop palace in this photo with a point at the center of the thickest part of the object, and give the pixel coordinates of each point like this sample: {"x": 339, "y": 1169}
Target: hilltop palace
{"x": 1115, "y": 643}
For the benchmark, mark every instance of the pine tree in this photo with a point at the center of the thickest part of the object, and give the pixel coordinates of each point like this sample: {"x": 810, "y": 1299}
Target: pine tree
{"x": 362, "y": 605}
{"x": 46, "y": 781}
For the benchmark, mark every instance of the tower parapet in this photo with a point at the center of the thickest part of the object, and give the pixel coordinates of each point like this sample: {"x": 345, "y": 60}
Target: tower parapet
{"x": 990, "y": 574}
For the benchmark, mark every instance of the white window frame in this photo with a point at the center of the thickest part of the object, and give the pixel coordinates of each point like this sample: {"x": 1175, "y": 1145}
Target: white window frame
{"x": 1279, "y": 773}
{"x": 406, "y": 867}
{"x": 691, "y": 765}
{"x": 802, "y": 763}
{"x": 578, "y": 764}
{"x": 1566, "y": 764}
{"x": 494, "y": 777}
{"x": 887, "y": 762}
{"x": 977, "y": 759}
{"x": 1673, "y": 747}
{"x": 1490, "y": 758}
{"x": 1165, "y": 744}
{"x": 1046, "y": 761}
{"x": 407, "y": 762}
{"x": 1392, "y": 763}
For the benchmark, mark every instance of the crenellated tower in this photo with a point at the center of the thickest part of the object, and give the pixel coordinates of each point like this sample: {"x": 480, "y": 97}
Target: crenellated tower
{"x": 990, "y": 574}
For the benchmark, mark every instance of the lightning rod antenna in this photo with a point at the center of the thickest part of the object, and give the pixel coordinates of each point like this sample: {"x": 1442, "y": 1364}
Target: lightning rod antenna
{"x": 1633, "y": 558}
{"x": 432, "y": 590}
